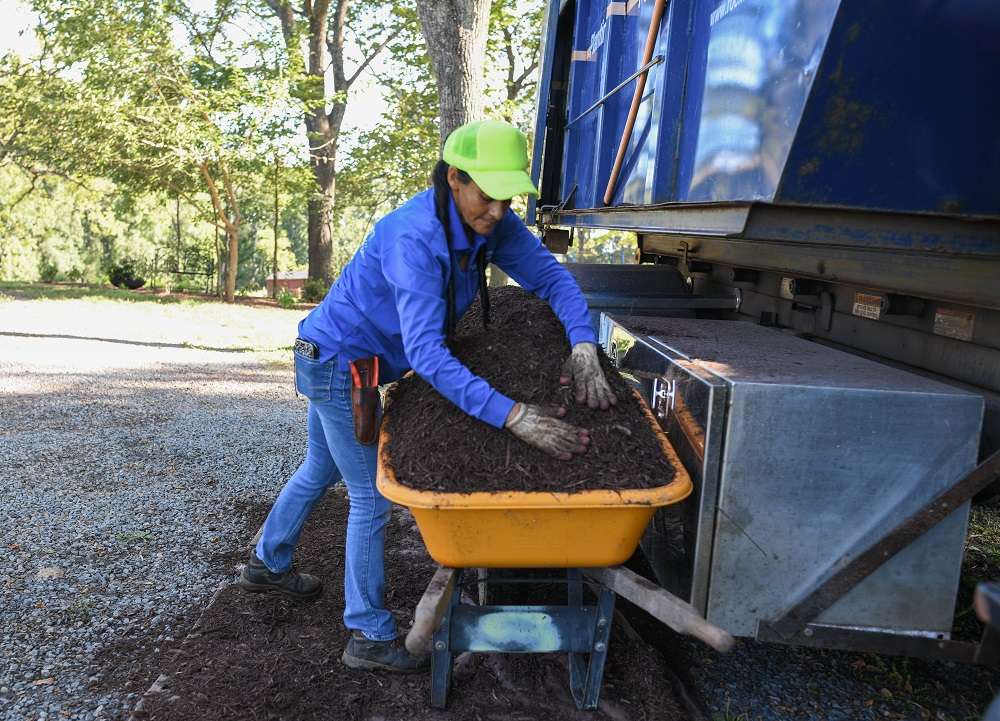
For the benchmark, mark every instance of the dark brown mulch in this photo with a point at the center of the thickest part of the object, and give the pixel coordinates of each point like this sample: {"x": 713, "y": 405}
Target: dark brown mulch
{"x": 132, "y": 662}
{"x": 266, "y": 657}
{"x": 435, "y": 446}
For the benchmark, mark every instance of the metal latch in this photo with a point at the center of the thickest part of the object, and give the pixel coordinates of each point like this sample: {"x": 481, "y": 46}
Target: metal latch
{"x": 664, "y": 395}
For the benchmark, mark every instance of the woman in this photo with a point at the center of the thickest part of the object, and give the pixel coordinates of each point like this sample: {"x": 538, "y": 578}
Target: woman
{"x": 391, "y": 310}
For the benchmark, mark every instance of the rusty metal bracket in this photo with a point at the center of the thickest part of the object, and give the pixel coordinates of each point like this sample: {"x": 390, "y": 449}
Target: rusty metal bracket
{"x": 852, "y": 568}
{"x": 874, "y": 640}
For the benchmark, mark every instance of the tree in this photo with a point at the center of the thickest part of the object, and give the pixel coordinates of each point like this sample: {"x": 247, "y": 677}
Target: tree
{"x": 393, "y": 161}
{"x": 150, "y": 117}
{"x": 455, "y": 32}
{"x": 139, "y": 103}
{"x": 314, "y": 34}
{"x": 513, "y": 49}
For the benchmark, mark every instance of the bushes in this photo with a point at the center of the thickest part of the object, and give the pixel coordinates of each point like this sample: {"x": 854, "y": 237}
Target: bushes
{"x": 314, "y": 290}
{"x": 124, "y": 273}
{"x": 286, "y": 299}
{"x": 48, "y": 272}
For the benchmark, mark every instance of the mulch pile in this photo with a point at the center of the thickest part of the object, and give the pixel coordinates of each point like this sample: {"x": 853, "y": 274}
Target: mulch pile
{"x": 267, "y": 657}
{"x": 434, "y": 445}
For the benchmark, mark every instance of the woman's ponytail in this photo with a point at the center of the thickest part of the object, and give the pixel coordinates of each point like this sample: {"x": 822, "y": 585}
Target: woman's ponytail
{"x": 442, "y": 200}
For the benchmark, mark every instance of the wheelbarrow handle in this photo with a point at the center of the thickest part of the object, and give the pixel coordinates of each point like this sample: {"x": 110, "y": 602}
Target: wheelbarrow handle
{"x": 662, "y": 605}
{"x": 430, "y": 609}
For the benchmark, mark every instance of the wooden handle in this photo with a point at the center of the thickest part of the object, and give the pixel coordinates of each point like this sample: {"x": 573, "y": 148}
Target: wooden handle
{"x": 430, "y": 609}
{"x": 662, "y": 605}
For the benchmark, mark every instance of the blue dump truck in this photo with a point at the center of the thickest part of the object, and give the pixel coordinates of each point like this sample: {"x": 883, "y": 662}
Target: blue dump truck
{"x": 814, "y": 186}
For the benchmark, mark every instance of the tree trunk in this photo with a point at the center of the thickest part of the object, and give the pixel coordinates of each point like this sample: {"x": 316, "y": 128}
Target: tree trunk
{"x": 274, "y": 263}
{"x": 233, "y": 238}
{"x": 227, "y": 213}
{"x": 320, "y": 216}
{"x": 324, "y": 134}
{"x": 327, "y": 19}
{"x": 218, "y": 262}
{"x": 455, "y": 32}
{"x": 326, "y": 32}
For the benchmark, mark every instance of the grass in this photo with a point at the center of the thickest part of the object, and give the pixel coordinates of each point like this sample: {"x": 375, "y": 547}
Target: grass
{"x": 78, "y": 611}
{"x": 256, "y": 326}
{"x": 906, "y": 680}
{"x": 912, "y": 692}
{"x": 16, "y": 290}
{"x": 134, "y": 536}
{"x": 981, "y": 563}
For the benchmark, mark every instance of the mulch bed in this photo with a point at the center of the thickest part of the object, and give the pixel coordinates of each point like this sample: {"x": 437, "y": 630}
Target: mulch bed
{"x": 267, "y": 657}
{"x": 434, "y": 445}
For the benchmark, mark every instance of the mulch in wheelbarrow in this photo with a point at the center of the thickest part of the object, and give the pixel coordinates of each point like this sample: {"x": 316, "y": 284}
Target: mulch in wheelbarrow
{"x": 267, "y": 657}
{"x": 436, "y": 446}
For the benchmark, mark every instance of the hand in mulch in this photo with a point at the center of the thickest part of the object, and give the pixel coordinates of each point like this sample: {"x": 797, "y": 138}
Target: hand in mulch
{"x": 583, "y": 370}
{"x": 541, "y": 428}
{"x": 436, "y": 446}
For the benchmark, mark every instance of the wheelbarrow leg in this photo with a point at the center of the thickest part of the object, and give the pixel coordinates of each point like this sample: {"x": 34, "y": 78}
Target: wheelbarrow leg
{"x": 586, "y": 675}
{"x": 441, "y": 656}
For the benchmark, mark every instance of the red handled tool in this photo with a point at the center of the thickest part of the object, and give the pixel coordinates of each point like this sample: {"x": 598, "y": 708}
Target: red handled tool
{"x": 364, "y": 399}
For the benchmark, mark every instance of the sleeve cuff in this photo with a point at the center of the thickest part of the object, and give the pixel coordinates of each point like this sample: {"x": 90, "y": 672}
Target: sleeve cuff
{"x": 497, "y": 409}
{"x": 582, "y": 334}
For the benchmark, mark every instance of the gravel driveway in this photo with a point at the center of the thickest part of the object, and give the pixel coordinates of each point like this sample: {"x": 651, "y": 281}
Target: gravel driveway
{"x": 121, "y": 464}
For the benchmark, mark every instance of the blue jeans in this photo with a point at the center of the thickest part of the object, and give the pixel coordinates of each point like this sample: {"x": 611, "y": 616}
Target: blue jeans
{"x": 334, "y": 454}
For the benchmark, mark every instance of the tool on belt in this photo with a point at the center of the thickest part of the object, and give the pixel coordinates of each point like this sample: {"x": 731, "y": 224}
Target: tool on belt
{"x": 364, "y": 399}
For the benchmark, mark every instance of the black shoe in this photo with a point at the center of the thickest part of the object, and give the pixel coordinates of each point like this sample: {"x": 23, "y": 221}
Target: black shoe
{"x": 257, "y": 577}
{"x": 382, "y": 655}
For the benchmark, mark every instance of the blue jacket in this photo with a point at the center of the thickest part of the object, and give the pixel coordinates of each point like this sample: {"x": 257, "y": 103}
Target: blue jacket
{"x": 390, "y": 300}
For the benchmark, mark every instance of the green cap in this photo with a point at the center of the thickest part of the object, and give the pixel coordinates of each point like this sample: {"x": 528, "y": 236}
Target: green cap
{"x": 494, "y": 154}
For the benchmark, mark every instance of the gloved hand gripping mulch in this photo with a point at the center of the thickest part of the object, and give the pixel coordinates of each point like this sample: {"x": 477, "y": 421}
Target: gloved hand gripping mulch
{"x": 435, "y": 446}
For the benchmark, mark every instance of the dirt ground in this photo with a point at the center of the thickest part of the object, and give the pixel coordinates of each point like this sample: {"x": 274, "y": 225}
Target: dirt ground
{"x": 267, "y": 657}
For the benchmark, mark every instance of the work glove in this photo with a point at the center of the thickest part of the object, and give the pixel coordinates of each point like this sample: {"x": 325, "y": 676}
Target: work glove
{"x": 583, "y": 370}
{"x": 541, "y": 428}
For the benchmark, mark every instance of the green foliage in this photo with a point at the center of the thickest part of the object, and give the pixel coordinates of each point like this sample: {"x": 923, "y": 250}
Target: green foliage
{"x": 198, "y": 121}
{"x": 286, "y": 299}
{"x": 296, "y": 230}
{"x": 512, "y": 50}
{"x": 131, "y": 105}
{"x": 314, "y": 290}
{"x": 134, "y": 537}
{"x": 393, "y": 161}
{"x": 602, "y": 246}
{"x": 47, "y": 271}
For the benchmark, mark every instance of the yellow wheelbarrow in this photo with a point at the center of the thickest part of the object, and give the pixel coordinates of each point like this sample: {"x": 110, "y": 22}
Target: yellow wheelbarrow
{"x": 588, "y": 533}
{"x": 529, "y": 529}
